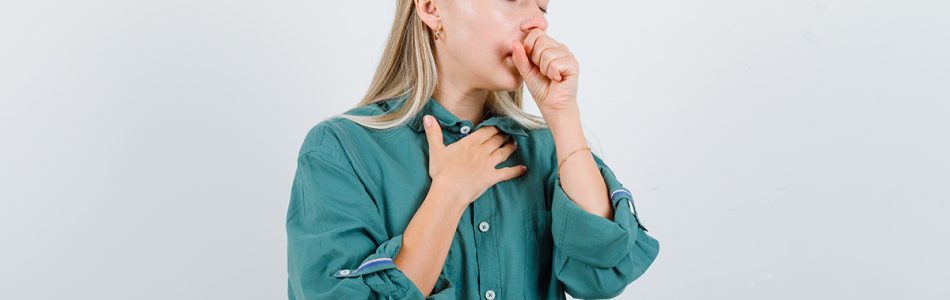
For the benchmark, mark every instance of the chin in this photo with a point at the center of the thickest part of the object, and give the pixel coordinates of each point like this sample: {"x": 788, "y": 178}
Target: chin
{"x": 504, "y": 77}
{"x": 508, "y": 81}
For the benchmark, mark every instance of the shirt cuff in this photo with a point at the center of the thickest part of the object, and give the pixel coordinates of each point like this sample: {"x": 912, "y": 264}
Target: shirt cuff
{"x": 590, "y": 238}
{"x": 380, "y": 273}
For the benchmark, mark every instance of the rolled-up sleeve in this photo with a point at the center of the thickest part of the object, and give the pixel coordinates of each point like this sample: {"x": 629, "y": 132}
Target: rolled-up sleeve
{"x": 338, "y": 246}
{"x": 595, "y": 257}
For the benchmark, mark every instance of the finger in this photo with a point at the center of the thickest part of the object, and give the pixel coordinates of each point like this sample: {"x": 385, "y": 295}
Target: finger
{"x": 501, "y": 154}
{"x": 495, "y": 141}
{"x": 556, "y": 68}
{"x": 510, "y": 172}
{"x": 433, "y": 132}
{"x": 531, "y": 40}
{"x": 482, "y": 134}
{"x": 520, "y": 58}
{"x": 566, "y": 66}
{"x": 544, "y": 45}
{"x": 548, "y": 58}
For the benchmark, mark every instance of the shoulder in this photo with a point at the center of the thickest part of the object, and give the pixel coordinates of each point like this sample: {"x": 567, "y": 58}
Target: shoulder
{"x": 322, "y": 140}
{"x": 332, "y": 135}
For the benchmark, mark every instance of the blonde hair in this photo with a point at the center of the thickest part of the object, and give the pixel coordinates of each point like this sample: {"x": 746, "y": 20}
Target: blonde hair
{"x": 408, "y": 69}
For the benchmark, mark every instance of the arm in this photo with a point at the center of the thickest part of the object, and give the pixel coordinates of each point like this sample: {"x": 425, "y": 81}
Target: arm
{"x": 580, "y": 176}
{"x": 428, "y": 238}
{"x": 600, "y": 245}
{"x": 338, "y": 245}
{"x": 471, "y": 161}
{"x": 599, "y": 248}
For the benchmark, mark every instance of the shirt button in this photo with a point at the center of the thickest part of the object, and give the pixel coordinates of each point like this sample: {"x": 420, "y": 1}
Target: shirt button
{"x": 490, "y": 294}
{"x": 344, "y": 272}
{"x": 483, "y": 226}
{"x": 465, "y": 129}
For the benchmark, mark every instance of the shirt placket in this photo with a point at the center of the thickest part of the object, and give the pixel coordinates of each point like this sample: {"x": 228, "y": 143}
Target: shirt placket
{"x": 486, "y": 247}
{"x": 489, "y": 276}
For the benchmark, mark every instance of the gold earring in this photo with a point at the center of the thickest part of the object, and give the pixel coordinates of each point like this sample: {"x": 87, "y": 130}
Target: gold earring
{"x": 438, "y": 33}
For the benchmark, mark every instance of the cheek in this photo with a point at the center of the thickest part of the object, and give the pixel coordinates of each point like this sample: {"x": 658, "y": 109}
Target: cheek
{"x": 485, "y": 39}
{"x": 482, "y": 49}
{"x": 488, "y": 51}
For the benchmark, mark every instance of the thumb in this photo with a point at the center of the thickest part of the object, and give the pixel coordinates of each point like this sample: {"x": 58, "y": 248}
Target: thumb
{"x": 433, "y": 132}
{"x": 520, "y": 58}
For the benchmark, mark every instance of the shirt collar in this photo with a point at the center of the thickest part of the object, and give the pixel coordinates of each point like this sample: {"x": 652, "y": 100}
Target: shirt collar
{"x": 452, "y": 123}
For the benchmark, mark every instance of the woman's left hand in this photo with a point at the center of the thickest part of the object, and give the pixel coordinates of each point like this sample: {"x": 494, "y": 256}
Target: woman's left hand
{"x": 549, "y": 70}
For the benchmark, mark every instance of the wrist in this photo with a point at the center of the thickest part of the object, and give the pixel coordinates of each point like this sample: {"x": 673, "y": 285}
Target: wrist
{"x": 567, "y": 132}
{"x": 564, "y": 112}
{"x": 561, "y": 120}
{"x": 442, "y": 195}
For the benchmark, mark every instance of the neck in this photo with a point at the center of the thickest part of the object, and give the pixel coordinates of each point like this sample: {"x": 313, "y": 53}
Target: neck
{"x": 463, "y": 102}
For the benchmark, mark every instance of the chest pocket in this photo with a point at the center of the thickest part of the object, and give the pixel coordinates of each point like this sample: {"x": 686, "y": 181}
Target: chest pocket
{"x": 538, "y": 246}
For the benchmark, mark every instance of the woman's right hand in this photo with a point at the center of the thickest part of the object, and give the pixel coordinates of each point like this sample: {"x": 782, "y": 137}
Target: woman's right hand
{"x": 466, "y": 168}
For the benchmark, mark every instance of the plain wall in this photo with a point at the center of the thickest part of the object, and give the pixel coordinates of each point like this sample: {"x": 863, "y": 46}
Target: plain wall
{"x": 776, "y": 149}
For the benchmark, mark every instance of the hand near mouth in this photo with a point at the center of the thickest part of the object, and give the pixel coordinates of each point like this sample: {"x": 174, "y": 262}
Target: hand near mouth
{"x": 549, "y": 70}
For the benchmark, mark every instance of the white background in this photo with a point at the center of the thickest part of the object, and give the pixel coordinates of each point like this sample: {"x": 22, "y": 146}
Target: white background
{"x": 777, "y": 149}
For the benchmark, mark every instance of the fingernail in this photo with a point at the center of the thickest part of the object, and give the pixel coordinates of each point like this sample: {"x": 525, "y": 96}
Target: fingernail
{"x": 524, "y": 168}
{"x": 427, "y": 120}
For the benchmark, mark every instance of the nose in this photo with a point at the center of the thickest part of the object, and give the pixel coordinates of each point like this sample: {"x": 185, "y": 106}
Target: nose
{"x": 537, "y": 21}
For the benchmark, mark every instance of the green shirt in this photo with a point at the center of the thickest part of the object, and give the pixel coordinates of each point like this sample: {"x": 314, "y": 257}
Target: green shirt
{"x": 356, "y": 189}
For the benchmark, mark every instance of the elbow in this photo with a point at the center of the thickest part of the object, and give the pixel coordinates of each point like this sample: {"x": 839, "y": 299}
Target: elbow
{"x": 604, "y": 289}
{"x": 604, "y": 284}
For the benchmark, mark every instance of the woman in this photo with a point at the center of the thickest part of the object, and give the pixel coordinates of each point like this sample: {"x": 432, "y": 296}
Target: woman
{"x": 437, "y": 185}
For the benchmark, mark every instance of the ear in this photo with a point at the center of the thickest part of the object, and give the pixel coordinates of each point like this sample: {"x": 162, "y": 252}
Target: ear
{"x": 428, "y": 12}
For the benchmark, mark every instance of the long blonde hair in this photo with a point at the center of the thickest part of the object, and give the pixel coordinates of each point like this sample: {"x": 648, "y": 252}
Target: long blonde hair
{"x": 408, "y": 69}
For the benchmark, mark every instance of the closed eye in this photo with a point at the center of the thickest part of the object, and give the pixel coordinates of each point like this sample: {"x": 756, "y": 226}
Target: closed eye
{"x": 543, "y": 9}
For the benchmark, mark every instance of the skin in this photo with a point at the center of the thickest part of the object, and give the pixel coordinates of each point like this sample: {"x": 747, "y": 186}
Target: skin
{"x": 492, "y": 45}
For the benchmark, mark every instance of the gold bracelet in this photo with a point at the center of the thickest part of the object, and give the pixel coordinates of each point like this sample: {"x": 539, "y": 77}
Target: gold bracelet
{"x": 565, "y": 158}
